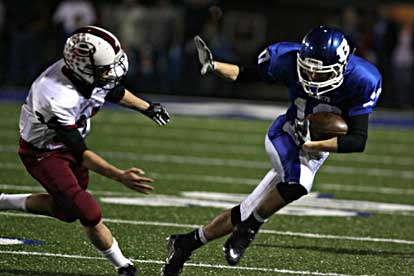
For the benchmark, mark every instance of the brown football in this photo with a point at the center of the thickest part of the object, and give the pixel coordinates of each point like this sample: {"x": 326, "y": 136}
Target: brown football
{"x": 325, "y": 125}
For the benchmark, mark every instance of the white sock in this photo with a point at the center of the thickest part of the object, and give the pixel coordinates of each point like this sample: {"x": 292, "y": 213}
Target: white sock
{"x": 13, "y": 202}
{"x": 115, "y": 256}
{"x": 203, "y": 238}
{"x": 258, "y": 217}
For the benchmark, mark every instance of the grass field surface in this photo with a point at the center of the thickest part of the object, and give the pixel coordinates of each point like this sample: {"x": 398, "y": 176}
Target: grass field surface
{"x": 358, "y": 220}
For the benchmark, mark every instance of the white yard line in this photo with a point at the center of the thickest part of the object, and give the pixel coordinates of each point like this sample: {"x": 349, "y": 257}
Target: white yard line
{"x": 264, "y": 231}
{"x": 242, "y": 163}
{"x": 261, "y": 269}
{"x": 162, "y": 144}
{"x": 369, "y": 189}
{"x": 223, "y": 179}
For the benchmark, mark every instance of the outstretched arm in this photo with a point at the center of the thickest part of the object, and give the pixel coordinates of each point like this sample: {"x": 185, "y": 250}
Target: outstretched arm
{"x": 133, "y": 102}
{"x": 75, "y": 143}
{"x": 131, "y": 178}
{"x": 228, "y": 71}
{"x": 155, "y": 111}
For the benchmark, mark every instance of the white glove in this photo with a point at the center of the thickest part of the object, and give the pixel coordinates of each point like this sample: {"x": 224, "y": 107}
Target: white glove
{"x": 302, "y": 132}
{"x": 204, "y": 56}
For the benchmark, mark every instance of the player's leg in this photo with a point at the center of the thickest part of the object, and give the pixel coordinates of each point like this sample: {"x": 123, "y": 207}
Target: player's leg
{"x": 68, "y": 201}
{"x": 15, "y": 202}
{"x": 85, "y": 207}
{"x": 101, "y": 237}
{"x": 295, "y": 173}
{"x": 180, "y": 247}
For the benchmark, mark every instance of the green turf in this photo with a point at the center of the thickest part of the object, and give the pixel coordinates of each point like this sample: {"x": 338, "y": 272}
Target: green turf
{"x": 186, "y": 155}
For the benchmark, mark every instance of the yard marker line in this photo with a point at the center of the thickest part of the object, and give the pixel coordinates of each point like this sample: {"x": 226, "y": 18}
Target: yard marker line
{"x": 239, "y": 163}
{"x": 222, "y": 179}
{"x": 263, "y": 269}
{"x": 370, "y": 189}
{"x": 264, "y": 231}
{"x": 335, "y": 237}
{"x": 243, "y": 150}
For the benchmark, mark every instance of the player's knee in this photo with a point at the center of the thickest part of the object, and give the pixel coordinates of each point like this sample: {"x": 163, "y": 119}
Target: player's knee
{"x": 291, "y": 192}
{"x": 89, "y": 212}
{"x": 65, "y": 217}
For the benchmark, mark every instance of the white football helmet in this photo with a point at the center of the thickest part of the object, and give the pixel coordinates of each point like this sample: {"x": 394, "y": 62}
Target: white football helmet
{"x": 95, "y": 56}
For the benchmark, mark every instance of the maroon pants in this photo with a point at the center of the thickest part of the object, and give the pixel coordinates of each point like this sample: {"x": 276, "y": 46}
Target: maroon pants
{"x": 65, "y": 180}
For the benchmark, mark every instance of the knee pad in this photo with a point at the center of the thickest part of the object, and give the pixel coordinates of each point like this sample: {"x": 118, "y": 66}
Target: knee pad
{"x": 291, "y": 192}
{"x": 235, "y": 215}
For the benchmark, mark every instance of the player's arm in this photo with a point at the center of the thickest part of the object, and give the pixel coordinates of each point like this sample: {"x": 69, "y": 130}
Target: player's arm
{"x": 131, "y": 178}
{"x": 155, "y": 111}
{"x": 354, "y": 141}
{"x": 227, "y": 71}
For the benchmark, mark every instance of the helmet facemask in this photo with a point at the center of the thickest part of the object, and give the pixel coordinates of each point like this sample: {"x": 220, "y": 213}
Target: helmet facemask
{"x": 108, "y": 76}
{"x": 308, "y": 67}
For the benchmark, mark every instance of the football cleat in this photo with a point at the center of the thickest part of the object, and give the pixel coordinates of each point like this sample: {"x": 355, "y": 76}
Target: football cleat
{"x": 127, "y": 271}
{"x": 176, "y": 257}
{"x": 238, "y": 242}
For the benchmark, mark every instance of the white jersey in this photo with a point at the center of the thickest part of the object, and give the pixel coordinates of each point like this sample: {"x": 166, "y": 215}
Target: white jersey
{"x": 54, "y": 98}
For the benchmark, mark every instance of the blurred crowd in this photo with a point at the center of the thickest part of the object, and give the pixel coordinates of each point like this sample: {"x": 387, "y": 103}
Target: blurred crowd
{"x": 157, "y": 36}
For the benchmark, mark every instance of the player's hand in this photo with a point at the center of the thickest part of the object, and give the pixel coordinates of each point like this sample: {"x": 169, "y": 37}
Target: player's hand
{"x": 302, "y": 133}
{"x": 158, "y": 113}
{"x": 204, "y": 56}
{"x": 132, "y": 179}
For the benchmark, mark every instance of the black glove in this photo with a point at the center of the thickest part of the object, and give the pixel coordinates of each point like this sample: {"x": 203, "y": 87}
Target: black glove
{"x": 302, "y": 133}
{"x": 157, "y": 113}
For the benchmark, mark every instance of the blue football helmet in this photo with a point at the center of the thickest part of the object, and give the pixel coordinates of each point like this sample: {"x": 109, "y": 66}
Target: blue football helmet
{"x": 322, "y": 60}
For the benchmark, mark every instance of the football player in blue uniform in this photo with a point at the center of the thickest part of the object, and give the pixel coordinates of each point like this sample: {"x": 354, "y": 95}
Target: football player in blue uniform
{"x": 322, "y": 75}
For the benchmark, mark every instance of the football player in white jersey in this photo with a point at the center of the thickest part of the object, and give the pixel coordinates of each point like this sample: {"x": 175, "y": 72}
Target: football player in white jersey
{"x": 54, "y": 122}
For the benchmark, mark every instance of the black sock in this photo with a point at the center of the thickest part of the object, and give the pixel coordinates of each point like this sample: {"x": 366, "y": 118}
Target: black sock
{"x": 190, "y": 241}
{"x": 253, "y": 223}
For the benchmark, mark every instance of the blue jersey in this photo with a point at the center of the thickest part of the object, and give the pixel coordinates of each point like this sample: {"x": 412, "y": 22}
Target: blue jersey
{"x": 357, "y": 95}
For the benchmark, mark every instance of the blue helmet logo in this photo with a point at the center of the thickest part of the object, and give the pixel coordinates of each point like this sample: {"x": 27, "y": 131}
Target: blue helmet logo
{"x": 322, "y": 60}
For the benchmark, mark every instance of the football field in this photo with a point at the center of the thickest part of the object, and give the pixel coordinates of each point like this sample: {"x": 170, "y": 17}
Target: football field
{"x": 359, "y": 220}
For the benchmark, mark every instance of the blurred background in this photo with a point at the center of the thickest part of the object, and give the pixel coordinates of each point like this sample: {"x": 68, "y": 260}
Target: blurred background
{"x": 157, "y": 36}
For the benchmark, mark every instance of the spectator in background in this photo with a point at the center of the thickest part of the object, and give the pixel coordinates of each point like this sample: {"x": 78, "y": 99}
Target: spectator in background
{"x": 73, "y": 14}
{"x": 162, "y": 36}
{"x": 222, "y": 47}
{"x": 2, "y": 40}
{"x": 385, "y": 34}
{"x": 24, "y": 28}
{"x": 351, "y": 23}
{"x": 134, "y": 27}
{"x": 2, "y": 15}
{"x": 403, "y": 68}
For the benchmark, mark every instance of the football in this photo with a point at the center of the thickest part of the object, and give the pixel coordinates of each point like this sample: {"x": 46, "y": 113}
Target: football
{"x": 325, "y": 125}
